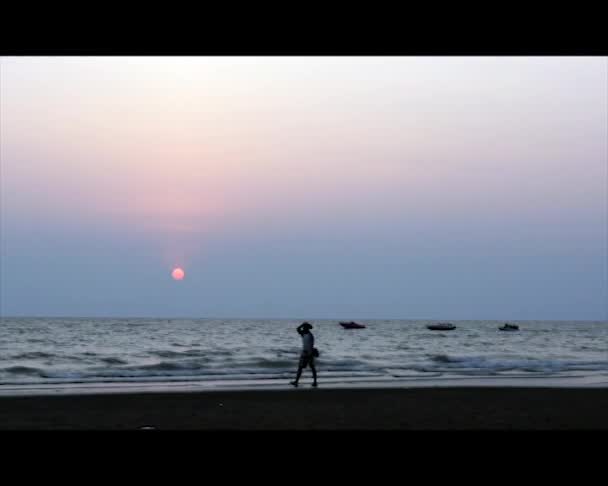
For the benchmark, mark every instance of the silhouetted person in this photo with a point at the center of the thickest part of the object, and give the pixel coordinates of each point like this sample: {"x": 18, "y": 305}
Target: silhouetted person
{"x": 307, "y": 358}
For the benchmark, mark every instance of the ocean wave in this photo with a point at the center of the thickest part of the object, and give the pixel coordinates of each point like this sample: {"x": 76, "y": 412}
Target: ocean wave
{"x": 32, "y": 355}
{"x": 22, "y": 370}
{"x": 267, "y": 363}
{"x": 167, "y": 353}
{"x": 168, "y": 366}
{"x": 209, "y": 353}
{"x": 117, "y": 368}
{"x": 203, "y": 368}
{"x": 155, "y": 374}
{"x": 185, "y": 375}
{"x": 489, "y": 364}
{"x": 114, "y": 361}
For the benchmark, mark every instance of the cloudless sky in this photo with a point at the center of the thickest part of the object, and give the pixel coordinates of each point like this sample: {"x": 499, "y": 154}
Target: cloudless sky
{"x": 303, "y": 187}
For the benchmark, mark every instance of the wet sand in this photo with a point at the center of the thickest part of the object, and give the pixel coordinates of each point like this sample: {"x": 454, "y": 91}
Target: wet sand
{"x": 320, "y": 409}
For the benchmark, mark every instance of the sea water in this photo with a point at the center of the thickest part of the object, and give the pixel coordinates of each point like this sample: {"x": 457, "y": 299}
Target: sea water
{"x": 67, "y": 352}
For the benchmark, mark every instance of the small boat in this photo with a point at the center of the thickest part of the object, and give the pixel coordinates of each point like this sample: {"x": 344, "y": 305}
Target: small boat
{"x": 509, "y": 327}
{"x": 352, "y": 325}
{"x": 441, "y": 326}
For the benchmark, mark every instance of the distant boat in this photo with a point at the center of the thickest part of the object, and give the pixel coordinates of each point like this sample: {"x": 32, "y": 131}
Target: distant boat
{"x": 441, "y": 326}
{"x": 509, "y": 327}
{"x": 352, "y": 325}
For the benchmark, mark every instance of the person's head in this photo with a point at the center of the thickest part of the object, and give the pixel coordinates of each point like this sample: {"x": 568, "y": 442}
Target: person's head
{"x": 306, "y": 327}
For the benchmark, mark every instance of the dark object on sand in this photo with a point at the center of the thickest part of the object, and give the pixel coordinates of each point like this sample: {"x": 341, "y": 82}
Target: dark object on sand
{"x": 509, "y": 327}
{"x": 441, "y": 326}
{"x": 352, "y": 325}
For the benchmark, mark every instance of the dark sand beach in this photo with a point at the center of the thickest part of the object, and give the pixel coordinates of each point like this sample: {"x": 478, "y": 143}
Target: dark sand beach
{"x": 321, "y": 409}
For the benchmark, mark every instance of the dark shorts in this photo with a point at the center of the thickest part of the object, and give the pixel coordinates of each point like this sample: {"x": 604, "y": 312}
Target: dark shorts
{"x": 306, "y": 360}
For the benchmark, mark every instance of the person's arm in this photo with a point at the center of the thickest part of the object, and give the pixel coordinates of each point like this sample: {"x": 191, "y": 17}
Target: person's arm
{"x": 300, "y": 329}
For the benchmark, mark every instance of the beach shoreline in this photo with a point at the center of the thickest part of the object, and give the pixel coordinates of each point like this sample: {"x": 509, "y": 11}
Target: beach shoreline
{"x": 433, "y": 408}
{"x": 588, "y": 380}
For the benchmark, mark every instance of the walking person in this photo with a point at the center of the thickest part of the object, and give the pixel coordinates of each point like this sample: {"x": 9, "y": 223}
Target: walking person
{"x": 309, "y": 352}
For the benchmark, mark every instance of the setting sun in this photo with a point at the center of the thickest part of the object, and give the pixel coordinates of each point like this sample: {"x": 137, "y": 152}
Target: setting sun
{"x": 178, "y": 274}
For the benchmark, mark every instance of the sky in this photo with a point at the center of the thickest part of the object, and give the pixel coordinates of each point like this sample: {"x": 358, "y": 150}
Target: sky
{"x": 305, "y": 187}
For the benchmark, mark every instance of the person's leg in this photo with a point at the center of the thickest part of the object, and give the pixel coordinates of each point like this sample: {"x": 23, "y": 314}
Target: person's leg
{"x": 298, "y": 374}
{"x": 314, "y": 372}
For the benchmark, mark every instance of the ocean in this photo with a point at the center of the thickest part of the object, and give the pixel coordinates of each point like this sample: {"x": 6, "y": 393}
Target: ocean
{"x": 78, "y": 354}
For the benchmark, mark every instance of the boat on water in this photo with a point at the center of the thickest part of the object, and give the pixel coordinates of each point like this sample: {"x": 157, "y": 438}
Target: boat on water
{"x": 509, "y": 327}
{"x": 441, "y": 326}
{"x": 352, "y": 325}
